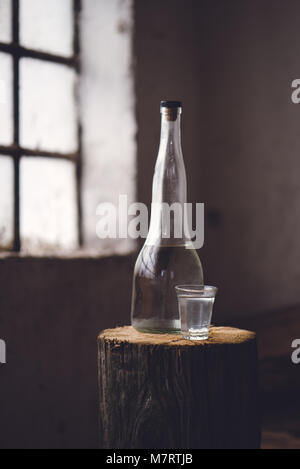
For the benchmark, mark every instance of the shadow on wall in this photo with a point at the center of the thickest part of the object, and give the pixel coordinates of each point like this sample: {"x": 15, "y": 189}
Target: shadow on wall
{"x": 232, "y": 64}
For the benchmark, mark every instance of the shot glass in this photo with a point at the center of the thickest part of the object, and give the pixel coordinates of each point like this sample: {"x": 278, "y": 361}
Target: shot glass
{"x": 195, "y": 308}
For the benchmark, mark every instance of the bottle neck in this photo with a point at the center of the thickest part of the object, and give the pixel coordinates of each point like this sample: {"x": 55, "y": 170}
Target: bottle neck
{"x": 170, "y": 134}
{"x": 169, "y": 190}
{"x": 169, "y": 183}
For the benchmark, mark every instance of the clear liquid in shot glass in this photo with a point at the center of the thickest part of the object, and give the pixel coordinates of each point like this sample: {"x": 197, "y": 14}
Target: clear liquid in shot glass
{"x": 196, "y": 316}
{"x": 196, "y": 308}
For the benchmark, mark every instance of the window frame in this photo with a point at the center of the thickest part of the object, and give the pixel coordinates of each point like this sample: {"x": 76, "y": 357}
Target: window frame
{"x": 15, "y": 151}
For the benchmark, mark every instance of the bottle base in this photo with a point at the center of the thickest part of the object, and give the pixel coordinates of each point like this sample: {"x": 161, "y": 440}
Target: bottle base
{"x": 152, "y": 326}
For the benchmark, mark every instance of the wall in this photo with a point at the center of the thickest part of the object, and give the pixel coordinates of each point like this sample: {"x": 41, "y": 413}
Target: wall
{"x": 231, "y": 62}
{"x": 51, "y": 311}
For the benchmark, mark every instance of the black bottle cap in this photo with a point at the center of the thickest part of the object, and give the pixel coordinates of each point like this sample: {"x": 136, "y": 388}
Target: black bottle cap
{"x": 171, "y": 104}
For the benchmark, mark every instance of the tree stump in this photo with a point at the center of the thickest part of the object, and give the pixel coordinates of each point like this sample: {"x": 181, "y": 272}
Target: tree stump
{"x": 161, "y": 391}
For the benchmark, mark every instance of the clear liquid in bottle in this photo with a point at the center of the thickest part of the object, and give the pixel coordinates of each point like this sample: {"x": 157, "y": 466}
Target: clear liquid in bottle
{"x": 158, "y": 270}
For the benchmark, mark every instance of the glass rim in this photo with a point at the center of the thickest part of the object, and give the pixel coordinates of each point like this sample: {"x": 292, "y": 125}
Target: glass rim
{"x": 207, "y": 291}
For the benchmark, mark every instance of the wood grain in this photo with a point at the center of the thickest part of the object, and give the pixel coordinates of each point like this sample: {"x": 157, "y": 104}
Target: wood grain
{"x": 160, "y": 391}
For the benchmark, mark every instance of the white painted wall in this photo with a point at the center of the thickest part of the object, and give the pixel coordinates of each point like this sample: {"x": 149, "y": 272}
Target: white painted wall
{"x": 107, "y": 113}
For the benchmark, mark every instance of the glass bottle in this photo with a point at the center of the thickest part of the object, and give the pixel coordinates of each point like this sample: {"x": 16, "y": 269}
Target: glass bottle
{"x": 167, "y": 258}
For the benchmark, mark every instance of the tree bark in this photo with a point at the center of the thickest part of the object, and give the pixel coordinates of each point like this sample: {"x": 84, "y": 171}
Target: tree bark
{"x": 161, "y": 391}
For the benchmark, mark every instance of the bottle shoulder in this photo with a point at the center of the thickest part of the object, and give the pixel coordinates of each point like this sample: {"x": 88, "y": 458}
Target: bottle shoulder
{"x": 153, "y": 260}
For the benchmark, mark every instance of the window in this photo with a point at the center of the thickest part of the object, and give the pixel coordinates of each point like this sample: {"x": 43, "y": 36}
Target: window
{"x": 55, "y": 170}
{"x": 40, "y": 133}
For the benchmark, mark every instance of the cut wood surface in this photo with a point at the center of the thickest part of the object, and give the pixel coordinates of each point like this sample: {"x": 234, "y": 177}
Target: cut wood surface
{"x": 217, "y": 336}
{"x": 161, "y": 391}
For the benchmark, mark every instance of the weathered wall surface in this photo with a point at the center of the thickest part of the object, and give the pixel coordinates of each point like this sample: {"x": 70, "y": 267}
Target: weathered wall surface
{"x": 51, "y": 311}
{"x": 232, "y": 64}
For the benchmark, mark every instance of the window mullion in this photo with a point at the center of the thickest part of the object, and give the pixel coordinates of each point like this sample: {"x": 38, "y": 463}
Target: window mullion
{"x": 76, "y": 52}
{"x": 16, "y": 119}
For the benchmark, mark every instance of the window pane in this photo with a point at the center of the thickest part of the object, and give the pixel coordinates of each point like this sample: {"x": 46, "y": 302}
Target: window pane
{"x": 5, "y": 21}
{"x": 48, "y": 205}
{"x": 6, "y": 202}
{"x": 6, "y": 104}
{"x": 48, "y": 108}
{"x": 47, "y": 25}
